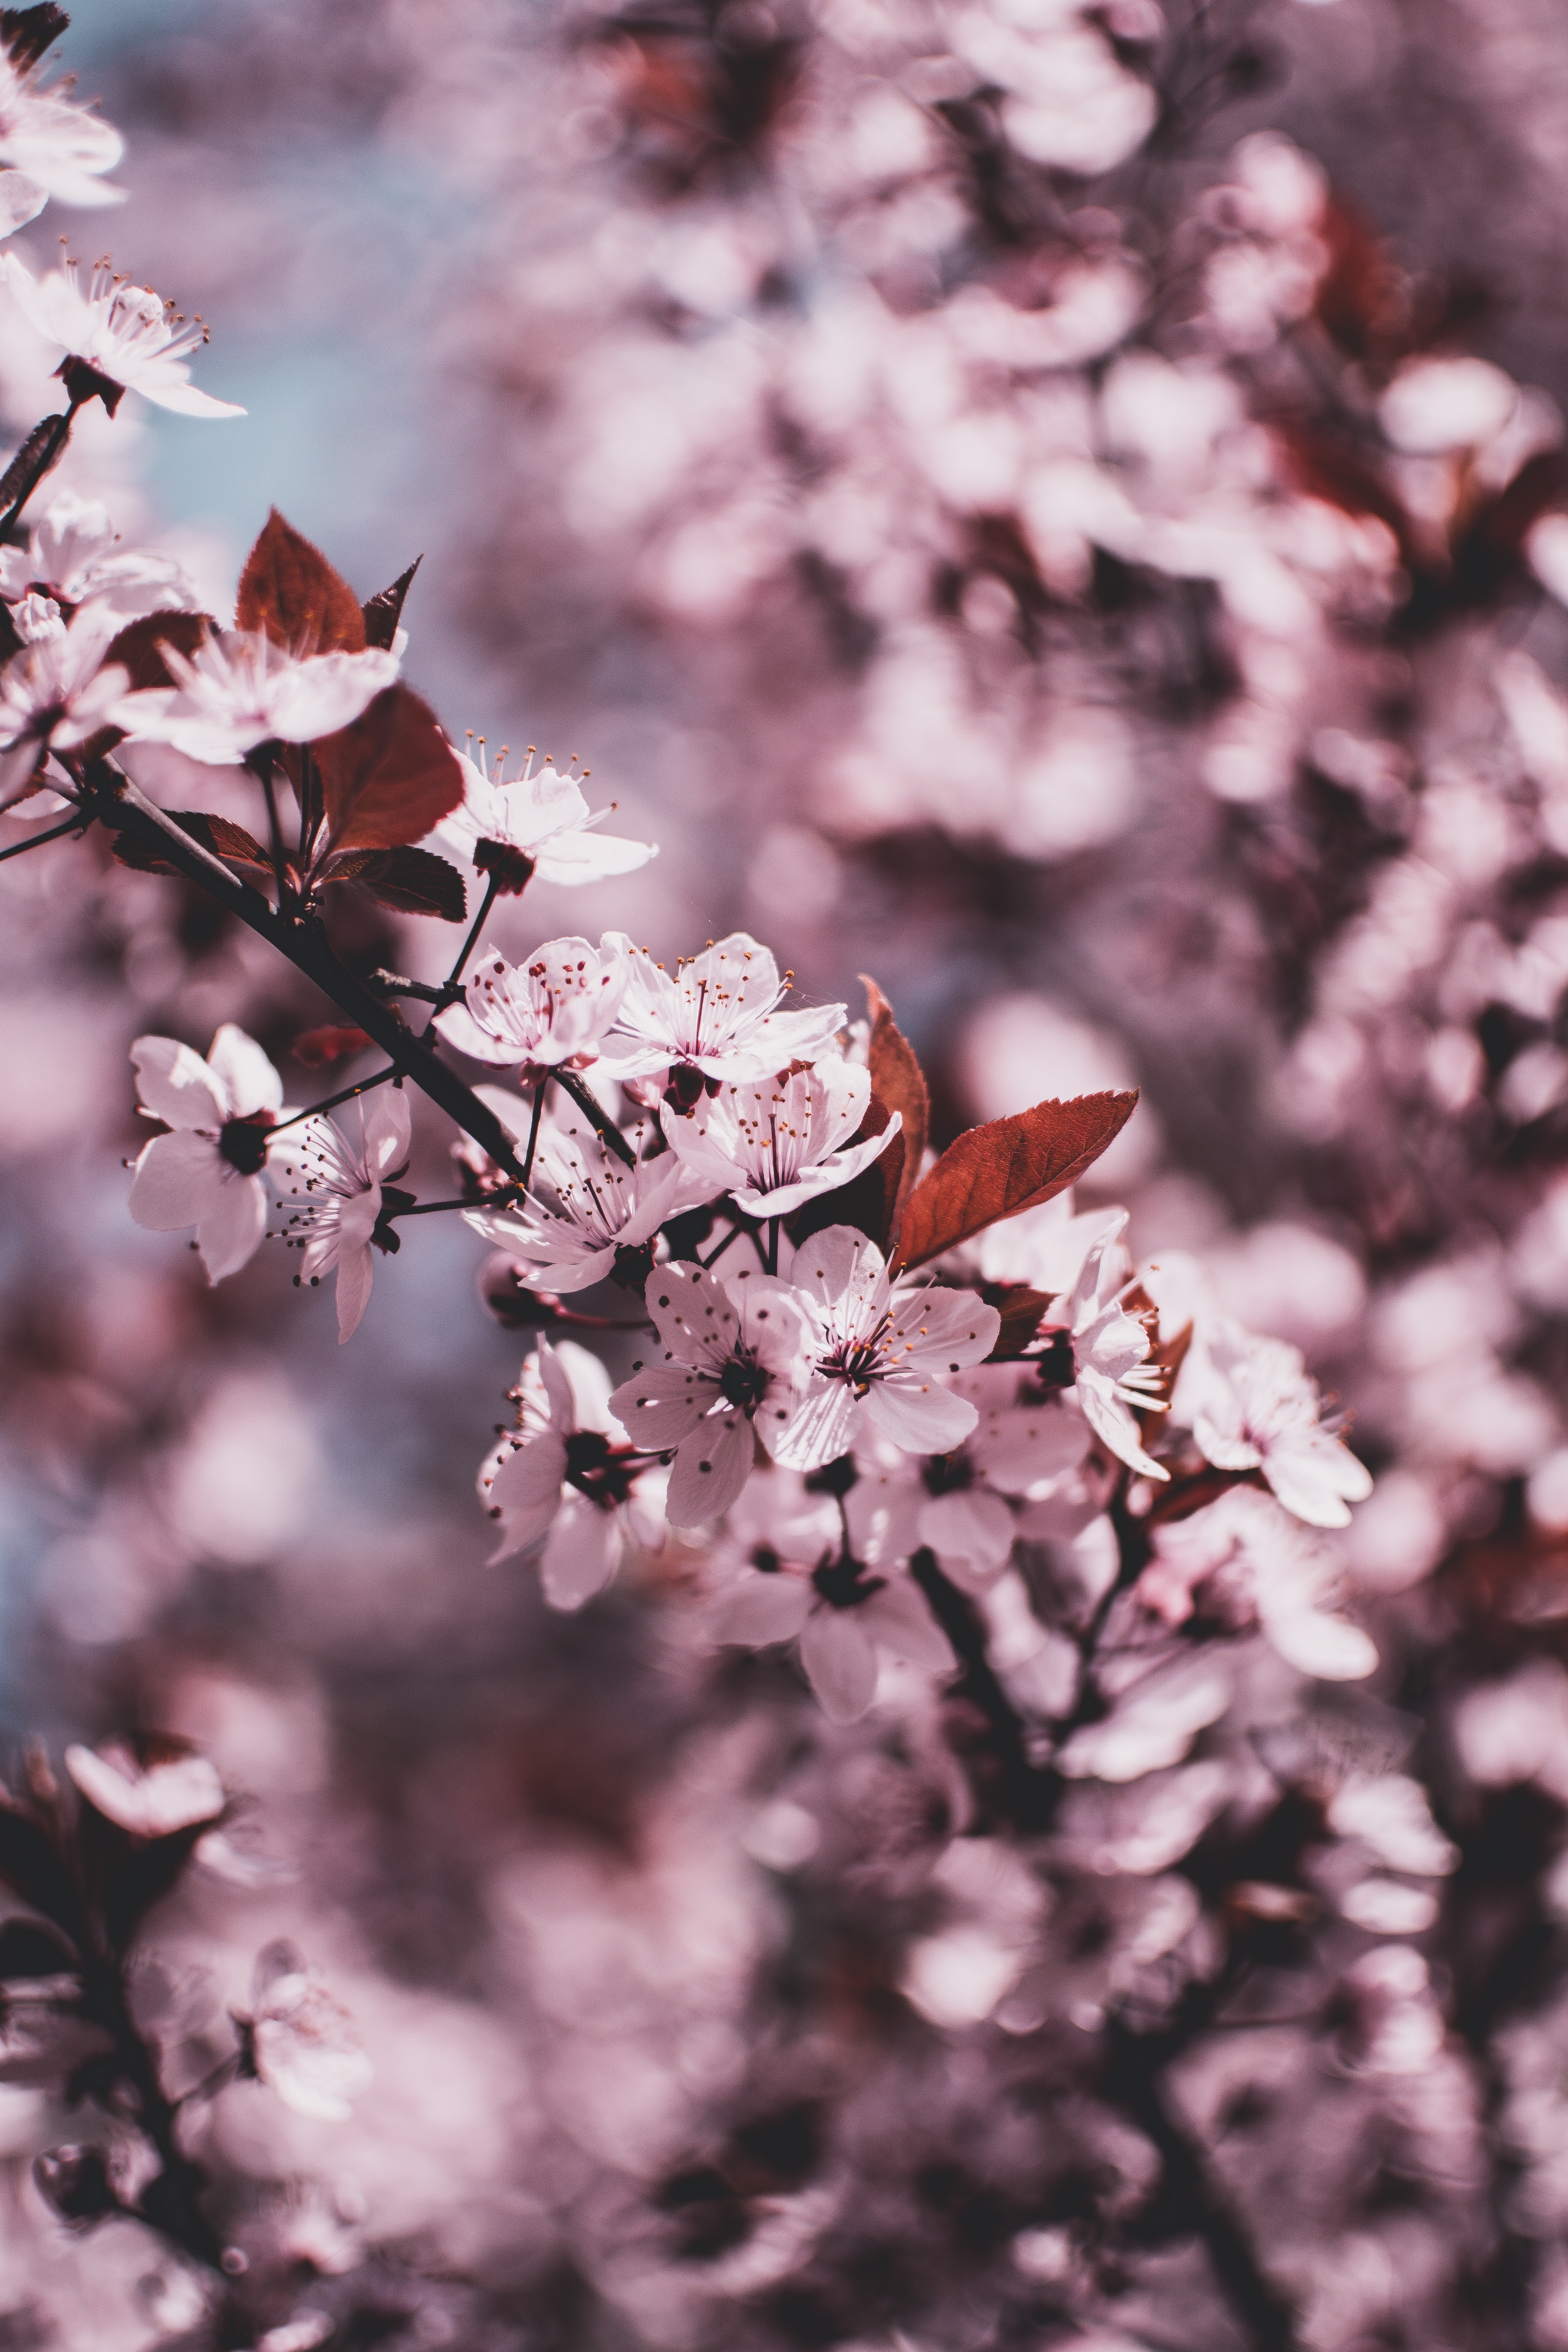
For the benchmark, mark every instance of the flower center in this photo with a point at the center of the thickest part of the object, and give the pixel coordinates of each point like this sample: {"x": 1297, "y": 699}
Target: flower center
{"x": 743, "y": 1380}
{"x": 947, "y": 1474}
{"x": 243, "y": 1141}
{"x": 597, "y": 1471}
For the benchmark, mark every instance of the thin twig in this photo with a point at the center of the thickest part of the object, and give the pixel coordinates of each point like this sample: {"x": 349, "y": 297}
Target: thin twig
{"x": 313, "y": 1110}
{"x": 76, "y": 824}
{"x": 604, "y": 1126}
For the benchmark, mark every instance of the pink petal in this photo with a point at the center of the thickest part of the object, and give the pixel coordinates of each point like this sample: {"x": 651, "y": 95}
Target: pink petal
{"x": 711, "y": 1469}
{"x": 841, "y": 1663}
{"x": 177, "y": 1182}
{"x": 176, "y": 1085}
{"x": 233, "y": 1228}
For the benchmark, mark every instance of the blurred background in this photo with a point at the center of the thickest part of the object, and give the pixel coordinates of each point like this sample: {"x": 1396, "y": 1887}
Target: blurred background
{"x": 1061, "y": 508}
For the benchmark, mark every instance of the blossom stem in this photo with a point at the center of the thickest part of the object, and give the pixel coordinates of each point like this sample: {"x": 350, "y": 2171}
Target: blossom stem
{"x": 1026, "y": 1792}
{"x": 533, "y": 1131}
{"x": 38, "y": 455}
{"x": 261, "y": 766}
{"x": 110, "y": 796}
{"x": 395, "y": 983}
{"x": 455, "y": 976}
{"x": 604, "y": 1127}
{"x": 773, "y": 1264}
{"x": 715, "y": 1254}
{"x": 72, "y": 824}
{"x": 313, "y": 1110}
{"x": 424, "y": 1209}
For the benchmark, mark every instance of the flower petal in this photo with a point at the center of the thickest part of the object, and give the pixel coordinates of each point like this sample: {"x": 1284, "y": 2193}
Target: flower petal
{"x": 711, "y": 1469}
{"x": 581, "y": 1554}
{"x": 233, "y": 1227}
{"x": 176, "y": 1085}
{"x": 758, "y": 1609}
{"x": 841, "y": 1662}
{"x": 177, "y": 1182}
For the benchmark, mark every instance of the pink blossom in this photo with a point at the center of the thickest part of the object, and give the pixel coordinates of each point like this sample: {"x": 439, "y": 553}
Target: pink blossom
{"x": 719, "y": 1015}
{"x": 775, "y": 1143}
{"x": 123, "y": 332}
{"x": 340, "y": 1182}
{"x": 551, "y": 1013}
{"x": 207, "y": 1171}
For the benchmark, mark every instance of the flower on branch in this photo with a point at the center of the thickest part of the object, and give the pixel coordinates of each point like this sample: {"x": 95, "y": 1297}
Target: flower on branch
{"x": 70, "y": 558}
{"x": 117, "y": 338}
{"x": 300, "y": 2040}
{"x": 55, "y": 695}
{"x": 514, "y": 827}
{"x": 1256, "y": 1407}
{"x": 1111, "y": 1374}
{"x": 207, "y": 1171}
{"x": 785, "y": 1138}
{"x": 44, "y": 133}
{"x": 882, "y": 1351}
{"x": 549, "y": 1013}
{"x": 716, "y": 1018}
{"x": 238, "y": 689}
{"x": 560, "y": 1483}
{"x": 1245, "y": 1565}
{"x": 587, "y": 1214}
{"x": 342, "y": 1182}
{"x": 736, "y": 1360}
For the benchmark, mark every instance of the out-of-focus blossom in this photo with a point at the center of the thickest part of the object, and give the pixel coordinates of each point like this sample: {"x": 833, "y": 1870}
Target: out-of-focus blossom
{"x": 38, "y": 619}
{"x": 560, "y": 1482}
{"x": 718, "y": 1017}
{"x": 512, "y": 827}
{"x": 301, "y": 2040}
{"x": 125, "y": 334}
{"x": 239, "y": 690}
{"x": 339, "y": 1182}
{"x": 70, "y": 557}
{"x": 1248, "y": 1564}
{"x": 45, "y": 135}
{"x": 584, "y": 1209}
{"x": 553, "y": 1012}
{"x": 883, "y": 1350}
{"x": 1256, "y": 1408}
{"x": 786, "y": 1137}
{"x": 207, "y": 1171}
{"x": 737, "y": 1358}
{"x": 152, "y": 1799}
{"x": 57, "y": 693}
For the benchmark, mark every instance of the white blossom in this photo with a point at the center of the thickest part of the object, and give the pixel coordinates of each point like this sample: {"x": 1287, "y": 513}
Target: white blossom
{"x": 70, "y": 557}
{"x": 56, "y": 694}
{"x": 339, "y": 1182}
{"x": 151, "y": 1800}
{"x": 1110, "y": 1348}
{"x": 37, "y": 620}
{"x": 533, "y": 823}
{"x": 717, "y": 1014}
{"x": 207, "y": 1172}
{"x": 239, "y": 690}
{"x": 584, "y": 1206}
{"x": 556, "y": 1487}
{"x": 549, "y": 1013}
{"x": 882, "y": 1351}
{"x": 64, "y": 147}
{"x": 1255, "y": 1408}
{"x": 1248, "y": 1564}
{"x": 125, "y": 333}
{"x": 784, "y": 1138}
{"x": 736, "y": 1359}
{"x": 302, "y": 2039}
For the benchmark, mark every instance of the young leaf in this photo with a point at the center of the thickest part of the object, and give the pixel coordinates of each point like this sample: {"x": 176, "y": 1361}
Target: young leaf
{"x": 383, "y": 612}
{"x": 289, "y": 589}
{"x": 224, "y": 838}
{"x": 1009, "y": 1164}
{"x": 1020, "y": 1309}
{"x": 317, "y": 1047}
{"x": 139, "y": 646}
{"x": 898, "y": 1078}
{"x": 411, "y": 880}
{"x": 388, "y": 778}
{"x": 867, "y": 1201}
{"x": 27, "y": 33}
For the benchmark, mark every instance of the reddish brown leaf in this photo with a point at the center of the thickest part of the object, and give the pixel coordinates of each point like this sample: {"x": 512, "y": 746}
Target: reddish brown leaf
{"x": 1006, "y": 1166}
{"x": 383, "y": 612}
{"x": 388, "y": 778}
{"x": 226, "y": 840}
{"x": 411, "y": 880}
{"x": 289, "y": 589}
{"x": 1020, "y": 1309}
{"x": 898, "y": 1078}
{"x": 317, "y": 1047}
{"x": 139, "y": 646}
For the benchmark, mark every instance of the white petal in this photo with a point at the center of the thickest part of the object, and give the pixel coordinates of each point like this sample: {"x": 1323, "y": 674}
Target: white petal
{"x": 758, "y": 1609}
{"x": 841, "y": 1663}
{"x": 244, "y": 1072}
{"x": 1316, "y": 1644}
{"x": 582, "y": 1552}
{"x": 573, "y": 857}
{"x": 711, "y": 1469}
{"x": 177, "y": 1182}
{"x": 919, "y": 1415}
{"x": 387, "y": 1125}
{"x": 660, "y": 1407}
{"x": 898, "y": 1619}
{"x": 233, "y": 1228}
{"x": 150, "y": 1803}
{"x": 820, "y": 1431}
{"x": 21, "y": 200}
{"x": 176, "y": 1085}
{"x": 357, "y": 1272}
{"x": 970, "y": 1530}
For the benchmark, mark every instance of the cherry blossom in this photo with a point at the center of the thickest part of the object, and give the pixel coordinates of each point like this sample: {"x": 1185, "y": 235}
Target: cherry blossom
{"x": 535, "y": 823}
{"x": 716, "y": 1018}
{"x": 1112, "y": 1379}
{"x": 38, "y": 619}
{"x": 1248, "y": 1564}
{"x": 587, "y": 1214}
{"x": 152, "y": 1799}
{"x": 56, "y": 694}
{"x": 70, "y": 557}
{"x": 342, "y": 1182}
{"x": 1256, "y": 1407}
{"x": 737, "y": 1356}
{"x": 301, "y": 2039}
{"x": 552, "y": 1011}
{"x": 787, "y": 1137}
{"x": 556, "y": 1485}
{"x": 125, "y": 334}
{"x": 882, "y": 1350}
{"x": 206, "y": 1171}
{"x": 64, "y": 147}
{"x": 239, "y": 690}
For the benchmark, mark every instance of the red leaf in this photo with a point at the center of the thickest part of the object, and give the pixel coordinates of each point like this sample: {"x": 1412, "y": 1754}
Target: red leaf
{"x": 224, "y": 839}
{"x": 388, "y": 778}
{"x": 335, "y": 1042}
{"x": 139, "y": 648}
{"x": 289, "y": 589}
{"x": 411, "y": 880}
{"x": 1020, "y": 1309}
{"x": 898, "y": 1078}
{"x": 383, "y": 612}
{"x": 1007, "y": 1165}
